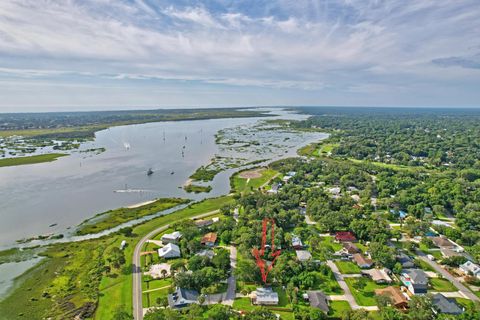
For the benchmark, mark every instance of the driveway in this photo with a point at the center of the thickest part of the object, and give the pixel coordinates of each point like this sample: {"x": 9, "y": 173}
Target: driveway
{"x": 231, "y": 281}
{"x": 464, "y": 290}
{"x": 347, "y": 293}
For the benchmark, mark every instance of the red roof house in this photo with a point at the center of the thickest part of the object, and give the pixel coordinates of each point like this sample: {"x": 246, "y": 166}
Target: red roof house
{"x": 345, "y": 236}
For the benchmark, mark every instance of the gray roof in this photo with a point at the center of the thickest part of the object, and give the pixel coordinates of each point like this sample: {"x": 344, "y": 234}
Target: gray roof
{"x": 182, "y": 297}
{"x": 318, "y": 300}
{"x": 303, "y": 255}
{"x": 418, "y": 276}
{"x": 206, "y": 253}
{"x": 445, "y": 305}
{"x": 405, "y": 261}
{"x": 266, "y": 295}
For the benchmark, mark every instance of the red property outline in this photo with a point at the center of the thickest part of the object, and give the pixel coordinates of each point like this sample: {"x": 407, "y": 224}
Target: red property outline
{"x": 258, "y": 254}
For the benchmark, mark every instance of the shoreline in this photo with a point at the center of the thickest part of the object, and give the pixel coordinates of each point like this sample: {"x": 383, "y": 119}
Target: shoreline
{"x": 141, "y": 204}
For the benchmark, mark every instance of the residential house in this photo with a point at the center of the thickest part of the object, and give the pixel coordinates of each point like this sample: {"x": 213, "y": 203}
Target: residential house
{"x": 415, "y": 280}
{"x": 350, "y": 248}
{"x": 441, "y": 304}
{"x": 203, "y": 223}
{"x": 297, "y": 243}
{"x": 303, "y": 255}
{"x": 398, "y": 298}
{"x": 182, "y": 298}
{"x": 206, "y": 253}
{"x": 345, "y": 236}
{"x": 448, "y": 253}
{"x": 318, "y": 300}
{"x": 405, "y": 261}
{"x": 274, "y": 188}
{"x": 265, "y": 296}
{"x": 355, "y": 197}
{"x": 361, "y": 261}
{"x": 378, "y": 275}
{"x": 209, "y": 239}
{"x": 471, "y": 268}
{"x": 302, "y": 209}
{"x": 169, "y": 251}
{"x": 173, "y": 237}
{"x": 443, "y": 242}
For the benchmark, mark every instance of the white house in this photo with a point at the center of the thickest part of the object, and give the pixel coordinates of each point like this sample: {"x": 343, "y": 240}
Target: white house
{"x": 265, "y": 296}
{"x": 169, "y": 251}
{"x": 471, "y": 268}
{"x": 173, "y": 237}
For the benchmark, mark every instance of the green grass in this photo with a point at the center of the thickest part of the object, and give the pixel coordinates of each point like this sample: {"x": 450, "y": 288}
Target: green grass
{"x": 73, "y": 275}
{"x": 242, "y": 185}
{"x": 423, "y": 265}
{"x": 113, "y": 218}
{"x": 150, "y": 298}
{"x": 365, "y": 296}
{"x": 327, "y": 285}
{"x": 337, "y": 308}
{"x": 244, "y": 304}
{"x": 197, "y": 189}
{"x": 347, "y": 267}
{"x": 442, "y": 285}
{"x": 155, "y": 284}
{"x": 31, "y": 159}
{"x": 329, "y": 242}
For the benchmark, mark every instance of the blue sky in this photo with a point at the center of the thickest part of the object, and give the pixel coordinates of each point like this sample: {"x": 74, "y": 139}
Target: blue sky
{"x": 111, "y": 54}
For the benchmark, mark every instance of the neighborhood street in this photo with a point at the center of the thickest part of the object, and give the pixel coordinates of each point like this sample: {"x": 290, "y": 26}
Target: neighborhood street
{"x": 464, "y": 290}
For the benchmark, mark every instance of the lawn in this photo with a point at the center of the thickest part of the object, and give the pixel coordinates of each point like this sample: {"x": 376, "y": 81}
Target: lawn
{"x": 242, "y": 185}
{"x": 149, "y": 299}
{"x": 31, "y": 159}
{"x": 366, "y": 295}
{"x": 442, "y": 285}
{"x": 327, "y": 285}
{"x": 113, "y": 218}
{"x": 245, "y": 304}
{"x": 423, "y": 265}
{"x": 337, "y": 308}
{"x": 155, "y": 284}
{"x": 347, "y": 267}
{"x": 330, "y": 243}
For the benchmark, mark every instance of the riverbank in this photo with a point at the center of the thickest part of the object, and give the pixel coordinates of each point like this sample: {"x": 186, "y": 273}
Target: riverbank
{"x": 76, "y": 276}
{"x": 19, "y": 161}
{"x": 113, "y": 218}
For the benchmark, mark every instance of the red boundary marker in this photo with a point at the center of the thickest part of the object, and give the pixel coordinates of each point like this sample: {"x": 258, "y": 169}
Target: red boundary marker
{"x": 258, "y": 254}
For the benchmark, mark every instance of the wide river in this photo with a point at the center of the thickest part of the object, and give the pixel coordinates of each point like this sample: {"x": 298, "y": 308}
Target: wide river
{"x": 73, "y": 188}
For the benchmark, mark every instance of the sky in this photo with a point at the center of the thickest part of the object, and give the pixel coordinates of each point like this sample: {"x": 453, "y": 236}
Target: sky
{"x": 125, "y": 54}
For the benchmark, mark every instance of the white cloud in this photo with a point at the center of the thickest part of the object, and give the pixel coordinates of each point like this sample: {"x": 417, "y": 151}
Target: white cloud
{"x": 344, "y": 46}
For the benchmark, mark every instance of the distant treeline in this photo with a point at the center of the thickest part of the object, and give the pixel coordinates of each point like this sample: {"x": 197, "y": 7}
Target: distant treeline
{"x": 84, "y": 124}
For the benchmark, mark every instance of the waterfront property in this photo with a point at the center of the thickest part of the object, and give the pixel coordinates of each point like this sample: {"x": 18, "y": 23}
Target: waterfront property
{"x": 173, "y": 237}
{"x": 182, "y": 298}
{"x": 169, "y": 251}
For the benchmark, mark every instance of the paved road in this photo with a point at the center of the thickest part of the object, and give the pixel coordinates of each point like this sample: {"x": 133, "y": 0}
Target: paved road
{"x": 137, "y": 270}
{"x": 231, "y": 281}
{"x": 464, "y": 290}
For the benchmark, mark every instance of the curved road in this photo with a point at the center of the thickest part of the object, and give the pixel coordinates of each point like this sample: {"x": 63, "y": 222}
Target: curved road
{"x": 137, "y": 270}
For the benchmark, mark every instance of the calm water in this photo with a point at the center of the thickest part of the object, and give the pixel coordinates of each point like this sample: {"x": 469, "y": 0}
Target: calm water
{"x": 74, "y": 188}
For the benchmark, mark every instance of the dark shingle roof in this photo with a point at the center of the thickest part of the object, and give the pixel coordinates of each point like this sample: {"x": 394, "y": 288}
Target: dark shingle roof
{"x": 445, "y": 305}
{"x": 318, "y": 300}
